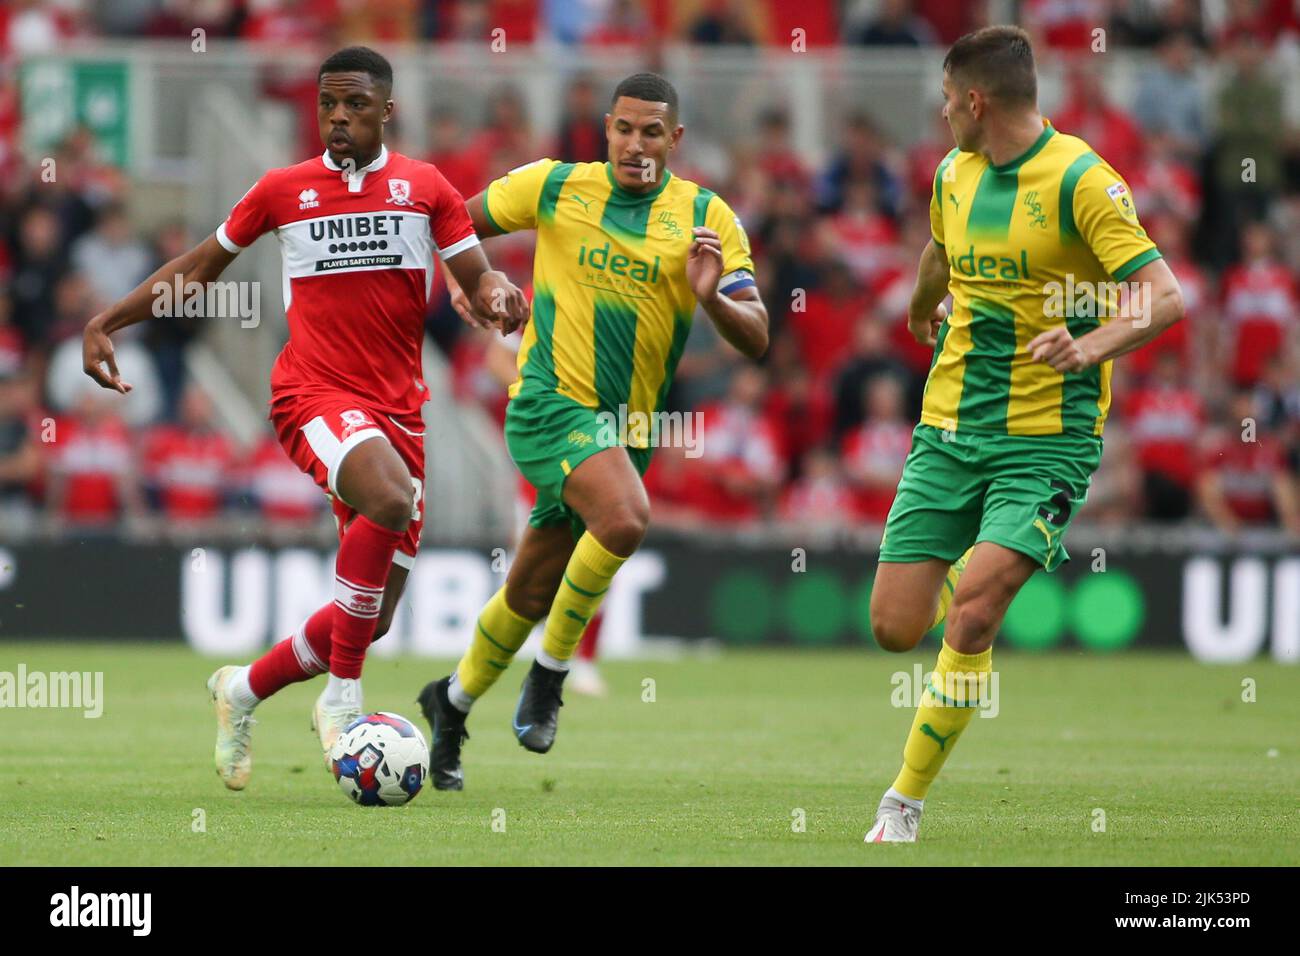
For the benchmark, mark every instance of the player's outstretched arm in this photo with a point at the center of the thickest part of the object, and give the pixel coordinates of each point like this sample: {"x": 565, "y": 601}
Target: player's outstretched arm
{"x": 484, "y": 227}
{"x": 204, "y": 263}
{"x": 925, "y": 313}
{"x": 741, "y": 317}
{"x": 1155, "y": 303}
{"x": 491, "y": 300}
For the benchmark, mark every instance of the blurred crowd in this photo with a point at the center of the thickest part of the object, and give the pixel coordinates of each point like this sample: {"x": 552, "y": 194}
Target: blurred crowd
{"x": 73, "y": 456}
{"x": 43, "y": 23}
{"x": 1064, "y": 25}
{"x": 1205, "y": 424}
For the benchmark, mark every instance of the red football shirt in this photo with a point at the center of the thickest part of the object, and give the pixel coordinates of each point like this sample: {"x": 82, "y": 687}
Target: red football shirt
{"x": 358, "y": 263}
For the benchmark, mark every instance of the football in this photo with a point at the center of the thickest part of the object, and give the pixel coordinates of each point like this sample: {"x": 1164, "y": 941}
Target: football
{"x": 380, "y": 760}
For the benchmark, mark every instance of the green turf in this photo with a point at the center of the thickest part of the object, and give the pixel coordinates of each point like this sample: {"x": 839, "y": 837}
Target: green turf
{"x": 711, "y": 772}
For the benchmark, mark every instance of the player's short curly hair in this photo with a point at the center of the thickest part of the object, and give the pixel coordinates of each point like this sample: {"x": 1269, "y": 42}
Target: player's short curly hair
{"x": 999, "y": 61}
{"x": 650, "y": 87}
{"x": 359, "y": 59}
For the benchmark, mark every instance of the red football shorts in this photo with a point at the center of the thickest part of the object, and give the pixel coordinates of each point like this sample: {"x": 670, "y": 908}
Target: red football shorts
{"x": 318, "y": 430}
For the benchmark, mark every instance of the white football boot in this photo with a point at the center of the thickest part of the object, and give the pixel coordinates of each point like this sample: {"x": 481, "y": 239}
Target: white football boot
{"x": 329, "y": 722}
{"x": 233, "y": 754}
{"x": 896, "y": 822}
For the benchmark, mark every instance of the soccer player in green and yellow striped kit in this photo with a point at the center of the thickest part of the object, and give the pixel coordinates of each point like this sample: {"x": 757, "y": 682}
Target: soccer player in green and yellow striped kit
{"x": 1032, "y": 233}
{"x": 625, "y": 252}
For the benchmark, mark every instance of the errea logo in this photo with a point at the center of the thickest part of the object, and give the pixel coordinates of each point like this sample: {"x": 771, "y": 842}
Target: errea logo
{"x": 307, "y": 199}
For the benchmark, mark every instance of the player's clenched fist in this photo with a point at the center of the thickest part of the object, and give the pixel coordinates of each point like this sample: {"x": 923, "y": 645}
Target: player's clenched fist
{"x": 704, "y": 263}
{"x": 926, "y": 329}
{"x": 1059, "y": 349}
{"x": 499, "y": 301}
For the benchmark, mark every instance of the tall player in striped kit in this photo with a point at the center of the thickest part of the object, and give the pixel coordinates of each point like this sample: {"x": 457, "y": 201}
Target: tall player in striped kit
{"x": 358, "y": 227}
{"x": 625, "y": 252}
{"x": 1019, "y": 387}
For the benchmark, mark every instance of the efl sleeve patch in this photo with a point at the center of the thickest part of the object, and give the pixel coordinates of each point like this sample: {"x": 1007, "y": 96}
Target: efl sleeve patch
{"x": 1119, "y": 194}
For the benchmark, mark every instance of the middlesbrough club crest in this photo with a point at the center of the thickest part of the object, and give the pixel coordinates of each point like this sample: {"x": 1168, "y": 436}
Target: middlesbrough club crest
{"x": 399, "y": 192}
{"x": 353, "y": 421}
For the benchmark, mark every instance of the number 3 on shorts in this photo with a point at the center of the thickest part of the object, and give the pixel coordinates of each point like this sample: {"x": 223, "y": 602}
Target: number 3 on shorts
{"x": 1061, "y": 501}
{"x": 419, "y": 498}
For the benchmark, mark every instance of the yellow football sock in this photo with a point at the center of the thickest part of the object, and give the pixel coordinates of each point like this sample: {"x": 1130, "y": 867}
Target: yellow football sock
{"x": 949, "y": 588}
{"x": 948, "y": 703}
{"x": 586, "y": 579}
{"x": 498, "y": 634}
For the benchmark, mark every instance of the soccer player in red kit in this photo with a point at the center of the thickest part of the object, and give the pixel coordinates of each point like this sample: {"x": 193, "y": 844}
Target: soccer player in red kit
{"x": 358, "y": 227}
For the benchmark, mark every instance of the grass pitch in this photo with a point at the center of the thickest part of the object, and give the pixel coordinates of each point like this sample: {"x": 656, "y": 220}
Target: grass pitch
{"x": 714, "y": 771}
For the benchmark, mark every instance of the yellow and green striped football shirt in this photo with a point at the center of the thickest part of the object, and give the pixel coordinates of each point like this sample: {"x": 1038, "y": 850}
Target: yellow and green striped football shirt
{"x": 1024, "y": 241}
{"x": 611, "y": 302}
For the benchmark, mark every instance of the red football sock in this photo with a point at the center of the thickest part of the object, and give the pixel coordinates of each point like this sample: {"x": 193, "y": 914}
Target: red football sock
{"x": 587, "y": 646}
{"x": 365, "y": 556}
{"x": 296, "y": 658}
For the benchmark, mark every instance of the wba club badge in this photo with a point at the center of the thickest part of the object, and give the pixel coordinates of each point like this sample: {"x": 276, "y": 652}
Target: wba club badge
{"x": 399, "y": 192}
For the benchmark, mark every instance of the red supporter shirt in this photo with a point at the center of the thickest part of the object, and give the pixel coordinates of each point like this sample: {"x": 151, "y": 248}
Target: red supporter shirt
{"x": 280, "y": 490}
{"x": 467, "y": 169}
{"x": 819, "y": 500}
{"x": 824, "y": 331}
{"x": 191, "y": 469}
{"x": 737, "y": 444}
{"x": 801, "y": 417}
{"x": 358, "y": 263}
{"x": 683, "y": 483}
{"x": 1166, "y": 424}
{"x": 1194, "y": 286}
{"x": 1109, "y": 130}
{"x": 1260, "y": 301}
{"x": 1165, "y": 185}
{"x": 866, "y": 244}
{"x": 890, "y": 297}
{"x": 878, "y": 447}
{"x": 92, "y": 461}
{"x": 1246, "y": 470}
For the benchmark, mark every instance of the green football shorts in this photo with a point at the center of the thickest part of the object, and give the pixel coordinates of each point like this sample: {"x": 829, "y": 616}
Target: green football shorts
{"x": 1019, "y": 491}
{"x": 548, "y": 435}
